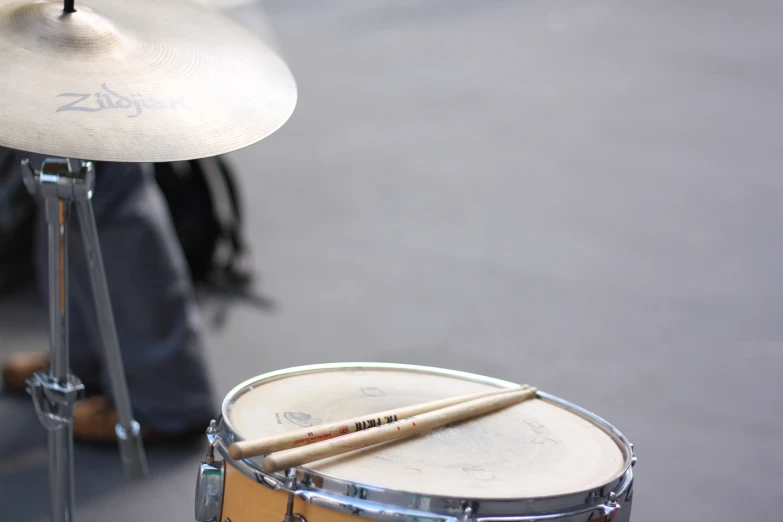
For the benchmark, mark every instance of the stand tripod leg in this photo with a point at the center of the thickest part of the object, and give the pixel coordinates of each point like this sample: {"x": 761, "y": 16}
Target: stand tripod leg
{"x": 128, "y": 430}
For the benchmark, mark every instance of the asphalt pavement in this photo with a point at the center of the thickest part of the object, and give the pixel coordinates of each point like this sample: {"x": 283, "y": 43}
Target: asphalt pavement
{"x": 581, "y": 195}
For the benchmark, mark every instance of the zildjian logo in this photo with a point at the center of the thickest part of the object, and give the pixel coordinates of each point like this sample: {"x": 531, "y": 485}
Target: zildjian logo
{"x": 111, "y": 100}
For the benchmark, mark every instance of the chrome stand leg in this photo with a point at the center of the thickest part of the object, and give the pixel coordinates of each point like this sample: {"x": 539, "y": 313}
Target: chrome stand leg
{"x": 127, "y": 430}
{"x": 55, "y": 394}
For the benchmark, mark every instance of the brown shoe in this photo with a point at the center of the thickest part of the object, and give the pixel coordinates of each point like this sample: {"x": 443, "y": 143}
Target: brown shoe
{"x": 95, "y": 419}
{"x": 21, "y": 366}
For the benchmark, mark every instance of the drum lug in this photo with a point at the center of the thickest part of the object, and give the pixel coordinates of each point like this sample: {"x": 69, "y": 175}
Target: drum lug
{"x": 611, "y": 508}
{"x": 209, "y": 488}
{"x": 468, "y": 513}
{"x": 290, "y": 516}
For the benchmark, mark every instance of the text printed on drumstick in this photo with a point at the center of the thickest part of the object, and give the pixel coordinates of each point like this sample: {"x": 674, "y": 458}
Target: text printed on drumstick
{"x": 342, "y": 430}
{"x": 371, "y": 423}
{"x": 313, "y": 439}
{"x": 111, "y": 100}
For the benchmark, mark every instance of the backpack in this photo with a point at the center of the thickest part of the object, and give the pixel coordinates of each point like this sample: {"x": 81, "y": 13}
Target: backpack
{"x": 207, "y": 214}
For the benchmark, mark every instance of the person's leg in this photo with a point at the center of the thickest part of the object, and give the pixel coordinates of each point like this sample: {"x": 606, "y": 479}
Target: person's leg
{"x": 157, "y": 320}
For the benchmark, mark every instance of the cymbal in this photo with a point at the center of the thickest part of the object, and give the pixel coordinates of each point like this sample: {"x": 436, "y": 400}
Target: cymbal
{"x": 135, "y": 81}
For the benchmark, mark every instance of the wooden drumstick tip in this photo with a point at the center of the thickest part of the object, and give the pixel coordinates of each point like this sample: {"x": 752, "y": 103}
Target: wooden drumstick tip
{"x": 235, "y": 452}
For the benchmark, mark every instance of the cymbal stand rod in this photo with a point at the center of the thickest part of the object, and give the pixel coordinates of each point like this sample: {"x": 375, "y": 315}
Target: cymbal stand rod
{"x": 61, "y": 439}
{"x": 68, "y": 6}
{"x": 55, "y": 394}
{"x": 57, "y": 216}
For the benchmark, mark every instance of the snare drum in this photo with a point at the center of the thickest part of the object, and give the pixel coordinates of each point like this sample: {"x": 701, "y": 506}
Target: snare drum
{"x": 541, "y": 459}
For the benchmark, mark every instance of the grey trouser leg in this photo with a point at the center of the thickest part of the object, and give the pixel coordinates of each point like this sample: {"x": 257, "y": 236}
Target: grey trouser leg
{"x": 158, "y": 324}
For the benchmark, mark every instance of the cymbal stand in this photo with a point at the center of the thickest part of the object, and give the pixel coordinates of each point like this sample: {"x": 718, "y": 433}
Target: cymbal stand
{"x": 55, "y": 394}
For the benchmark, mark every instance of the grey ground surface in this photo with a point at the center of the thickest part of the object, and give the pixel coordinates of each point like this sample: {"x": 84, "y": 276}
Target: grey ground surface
{"x": 581, "y": 195}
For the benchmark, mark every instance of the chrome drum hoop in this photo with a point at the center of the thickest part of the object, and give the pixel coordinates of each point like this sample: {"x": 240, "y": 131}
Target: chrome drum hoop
{"x": 381, "y": 504}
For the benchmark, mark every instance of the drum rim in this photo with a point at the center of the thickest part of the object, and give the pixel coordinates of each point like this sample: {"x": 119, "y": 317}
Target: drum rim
{"x": 332, "y": 486}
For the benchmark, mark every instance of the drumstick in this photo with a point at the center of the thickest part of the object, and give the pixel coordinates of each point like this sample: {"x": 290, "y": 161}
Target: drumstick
{"x": 396, "y": 430}
{"x": 253, "y": 448}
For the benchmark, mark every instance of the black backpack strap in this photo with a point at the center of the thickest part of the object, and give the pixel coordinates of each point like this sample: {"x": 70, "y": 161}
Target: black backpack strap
{"x": 232, "y": 256}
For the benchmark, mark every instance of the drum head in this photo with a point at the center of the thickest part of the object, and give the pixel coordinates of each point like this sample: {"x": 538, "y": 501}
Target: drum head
{"x": 537, "y": 448}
